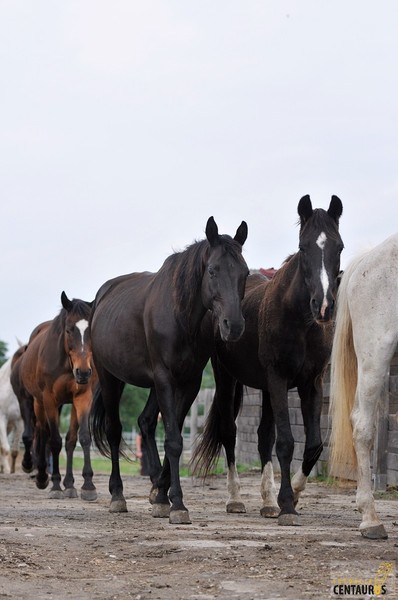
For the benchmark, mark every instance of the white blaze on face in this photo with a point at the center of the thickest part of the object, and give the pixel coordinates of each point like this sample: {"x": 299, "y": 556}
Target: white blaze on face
{"x": 82, "y": 325}
{"x": 321, "y": 241}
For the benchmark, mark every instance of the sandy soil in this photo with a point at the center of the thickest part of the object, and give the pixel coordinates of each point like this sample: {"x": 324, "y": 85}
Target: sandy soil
{"x": 72, "y": 549}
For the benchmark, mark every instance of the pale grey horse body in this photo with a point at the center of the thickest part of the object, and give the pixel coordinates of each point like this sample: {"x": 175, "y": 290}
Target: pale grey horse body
{"x": 11, "y": 423}
{"x": 365, "y": 340}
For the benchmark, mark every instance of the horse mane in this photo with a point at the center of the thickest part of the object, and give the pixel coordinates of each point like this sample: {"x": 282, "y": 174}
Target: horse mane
{"x": 188, "y": 267}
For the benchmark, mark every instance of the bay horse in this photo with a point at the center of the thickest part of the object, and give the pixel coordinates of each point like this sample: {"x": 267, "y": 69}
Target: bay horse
{"x": 25, "y": 401}
{"x": 55, "y": 369}
{"x": 11, "y": 422}
{"x": 286, "y": 343}
{"x": 365, "y": 339}
{"x": 145, "y": 330}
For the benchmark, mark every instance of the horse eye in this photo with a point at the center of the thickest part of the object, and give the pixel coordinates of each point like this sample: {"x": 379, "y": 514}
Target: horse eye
{"x": 211, "y": 271}
{"x": 301, "y": 248}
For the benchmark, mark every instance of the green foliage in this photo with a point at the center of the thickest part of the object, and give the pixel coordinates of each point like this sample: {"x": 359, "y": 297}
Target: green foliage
{"x": 64, "y": 418}
{"x": 208, "y": 377}
{"x": 131, "y": 406}
{"x": 3, "y": 352}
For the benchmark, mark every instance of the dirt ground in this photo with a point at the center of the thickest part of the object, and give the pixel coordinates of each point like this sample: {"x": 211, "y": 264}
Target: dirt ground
{"x": 58, "y": 549}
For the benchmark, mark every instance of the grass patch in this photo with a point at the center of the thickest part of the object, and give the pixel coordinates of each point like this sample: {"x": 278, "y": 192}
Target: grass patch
{"x": 101, "y": 464}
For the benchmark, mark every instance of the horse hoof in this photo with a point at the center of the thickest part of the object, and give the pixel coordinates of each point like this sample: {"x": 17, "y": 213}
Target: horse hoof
{"x": 377, "y": 532}
{"x": 42, "y": 484}
{"x": 288, "y": 519}
{"x": 270, "y": 512}
{"x": 89, "y": 495}
{"x": 56, "y": 494}
{"x": 27, "y": 469}
{"x": 70, "y": 493}
{"x": 179, "y": 517}
{"x": 160, "y": 511}
{"x": 235, "y": 507}
{"x": 118, "y": 506}
{"x": 152, "y": 495}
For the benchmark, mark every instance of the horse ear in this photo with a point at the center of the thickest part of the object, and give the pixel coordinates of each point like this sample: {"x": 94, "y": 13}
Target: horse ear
{"x": 335, "y": 209}
{"x": 304, "y": 209}
{"x": 241, "y": 233}
{"x": 66, "y": 303}
{"x": 212, "y": 231}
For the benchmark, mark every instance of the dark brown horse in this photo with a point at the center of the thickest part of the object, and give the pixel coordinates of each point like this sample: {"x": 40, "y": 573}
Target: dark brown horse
{"x": 286, "y": 343}
{"x": 56, "y": 369}
{"x": 145, "y": 330}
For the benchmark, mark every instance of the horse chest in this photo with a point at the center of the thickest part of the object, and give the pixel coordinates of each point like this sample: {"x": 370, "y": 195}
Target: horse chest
{"x": 185, "y": 363}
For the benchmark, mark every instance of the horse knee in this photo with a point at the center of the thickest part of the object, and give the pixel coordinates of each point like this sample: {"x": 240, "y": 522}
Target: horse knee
{"x": 285, "y": 447}
{"x": 174, "y": 447}
{"x": 85, "y": 440}
{"x": 363, "y": 435}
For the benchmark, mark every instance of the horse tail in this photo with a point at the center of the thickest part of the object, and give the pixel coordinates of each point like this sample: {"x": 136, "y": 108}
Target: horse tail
{"x": 98, "y": 426}
{"x": 98, "y": 423}
{"x": 343, "y": 384}
{"x": 208, "y": 449}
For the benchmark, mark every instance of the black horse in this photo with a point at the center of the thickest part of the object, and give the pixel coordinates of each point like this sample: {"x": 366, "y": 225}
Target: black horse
{"x": 146, "y": 330}
{"x": 286, "y": 343}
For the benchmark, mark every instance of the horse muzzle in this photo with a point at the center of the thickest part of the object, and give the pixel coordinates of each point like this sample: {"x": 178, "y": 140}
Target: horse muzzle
{"x": 322, "y": 312}
{"x": 231, "y": 331}
{"x": 82, "y": 376}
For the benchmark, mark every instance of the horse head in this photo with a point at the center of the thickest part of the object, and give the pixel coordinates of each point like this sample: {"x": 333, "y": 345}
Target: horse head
{"x": 224, "y": 280}
{"x": 77, "y": 339}
{"x": 320, "y": 246}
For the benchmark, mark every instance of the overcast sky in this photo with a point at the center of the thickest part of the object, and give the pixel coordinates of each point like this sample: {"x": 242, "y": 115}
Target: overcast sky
{"x": 125, "y": 124}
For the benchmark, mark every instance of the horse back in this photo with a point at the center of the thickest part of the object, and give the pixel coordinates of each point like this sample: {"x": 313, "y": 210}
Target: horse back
{"x": 27, "y": 366}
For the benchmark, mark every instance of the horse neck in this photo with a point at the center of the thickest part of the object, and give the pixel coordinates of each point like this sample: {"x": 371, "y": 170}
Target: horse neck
{"x": 288, "y": 287}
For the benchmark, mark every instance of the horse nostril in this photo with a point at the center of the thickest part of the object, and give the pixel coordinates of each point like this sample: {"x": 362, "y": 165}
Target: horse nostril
{"x": 226, "y": 324}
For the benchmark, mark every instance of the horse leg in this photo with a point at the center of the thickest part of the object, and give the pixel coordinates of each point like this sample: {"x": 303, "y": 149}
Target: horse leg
{"x": 284, "y": 448}
{"x": 110, "y": 393}
{"x": 70, "y": 445}
{"x": 266, "y": 441}
{"x": 28, "y": 416}
{"x": 147, "y": 422}
{"x": 174, "y": 408}
{"x": 311, "y": 396}
{"x": 83, "y": 402}
{"x": 40, "y": 445}
{"x": 228, "y": 398}
{"x": 18, "y": 427}
{"x": 364, "y": 415}
{"x": 55, "y": 443}
{"x": 4, "y": 447}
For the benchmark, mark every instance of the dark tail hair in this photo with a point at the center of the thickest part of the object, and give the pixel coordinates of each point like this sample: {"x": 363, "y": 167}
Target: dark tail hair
{"x": 208, "y": 449}
{"x": 98, "y": 426}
